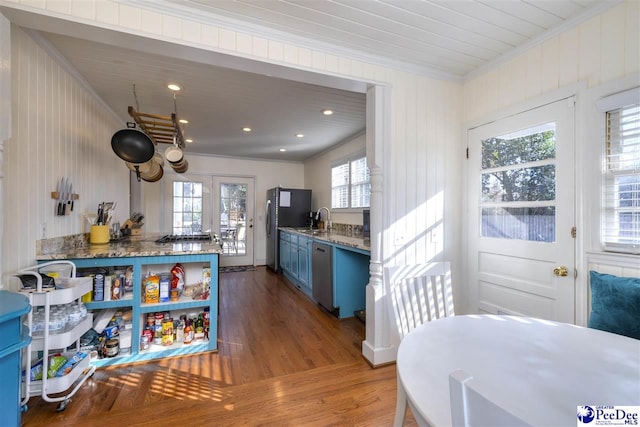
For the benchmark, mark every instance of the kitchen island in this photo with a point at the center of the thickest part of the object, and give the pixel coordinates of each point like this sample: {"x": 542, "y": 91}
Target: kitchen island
{"x": 140, "y": 256}
{"x": 347, "y": 277}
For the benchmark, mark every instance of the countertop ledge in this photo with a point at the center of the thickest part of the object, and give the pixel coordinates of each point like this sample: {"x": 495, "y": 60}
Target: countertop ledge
{"x": 332, "y": 237}
{"x": 132, "y": 247}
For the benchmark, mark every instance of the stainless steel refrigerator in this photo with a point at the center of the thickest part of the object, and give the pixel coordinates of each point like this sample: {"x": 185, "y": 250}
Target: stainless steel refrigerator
{"x": 285, "y": 207}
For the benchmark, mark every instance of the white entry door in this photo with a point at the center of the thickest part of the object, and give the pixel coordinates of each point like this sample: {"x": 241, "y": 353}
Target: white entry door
{"x": 233, "y": 219}
{"x": 521, "y": 213}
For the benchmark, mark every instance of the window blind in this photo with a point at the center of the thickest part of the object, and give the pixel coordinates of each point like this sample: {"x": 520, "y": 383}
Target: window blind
{"x": 360, "y": 186}
{"x": 621, "y": 219}
{"x": 350, "y": 184}
{"x": 340, "y": 186}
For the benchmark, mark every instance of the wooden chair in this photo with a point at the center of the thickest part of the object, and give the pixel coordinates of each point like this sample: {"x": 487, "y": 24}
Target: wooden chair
{"x": 417, "y": 293}
{"x": 471, "y": 406}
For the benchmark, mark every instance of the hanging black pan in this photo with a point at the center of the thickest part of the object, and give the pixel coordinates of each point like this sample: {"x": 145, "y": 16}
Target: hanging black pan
{"x": 132, "y": 145}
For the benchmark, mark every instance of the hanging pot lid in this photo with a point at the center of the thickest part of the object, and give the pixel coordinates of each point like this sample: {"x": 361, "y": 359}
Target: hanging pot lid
{"x": 132, "y": 146}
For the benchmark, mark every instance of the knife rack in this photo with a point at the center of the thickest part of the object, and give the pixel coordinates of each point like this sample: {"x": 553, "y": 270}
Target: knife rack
{"x": 161, "y": 129}
{"x": 56, "y": 195}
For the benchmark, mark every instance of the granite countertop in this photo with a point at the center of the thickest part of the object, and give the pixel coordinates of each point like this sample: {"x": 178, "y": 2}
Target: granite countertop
{"x": 75, "y": 247}
{"x": 358, "y": 242}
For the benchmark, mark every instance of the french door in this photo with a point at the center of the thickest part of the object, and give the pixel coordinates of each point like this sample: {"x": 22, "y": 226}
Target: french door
{"x": 520, "y": 189}
{"x": 218, "y": 204}
{"x": 233, "y": 207}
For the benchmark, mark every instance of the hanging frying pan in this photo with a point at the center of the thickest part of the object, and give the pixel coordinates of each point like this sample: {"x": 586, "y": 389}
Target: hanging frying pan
{"x": 132, "y": 145}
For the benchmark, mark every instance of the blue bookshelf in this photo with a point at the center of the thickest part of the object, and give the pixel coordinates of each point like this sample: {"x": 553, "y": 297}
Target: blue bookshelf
{"x": 139, "y": 309}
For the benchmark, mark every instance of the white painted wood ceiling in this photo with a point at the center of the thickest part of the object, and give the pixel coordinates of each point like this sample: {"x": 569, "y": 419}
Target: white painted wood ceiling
{"x": 451, "y": 37}
{"x": 446, "y": 38}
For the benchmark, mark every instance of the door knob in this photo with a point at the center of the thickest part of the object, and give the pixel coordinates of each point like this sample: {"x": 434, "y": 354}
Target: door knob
{"x": 561, "y": 271}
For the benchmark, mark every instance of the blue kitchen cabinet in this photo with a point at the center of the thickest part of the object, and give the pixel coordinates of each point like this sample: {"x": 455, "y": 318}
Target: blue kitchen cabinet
{"x": 295, "y": 261}
{"x": 12, "y": 307}
{"x": 293, "y": 255}
{"x": 285, "y": 251}
{"x": 304, "y": 262}
{"x": 350, "y": 279}
{"x": 350, "y": 274}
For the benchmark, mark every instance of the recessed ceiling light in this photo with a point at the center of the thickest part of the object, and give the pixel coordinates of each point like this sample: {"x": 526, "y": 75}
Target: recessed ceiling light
{"x": 189, "y": 140}
{"x": 185, "y": 121}
{"x": 173, "y": 86}
{"x": 299, "y": 135}
{"x": 327, "y": 112}
{"x": 246, "y": 129}
{"x": 283, "y": 149}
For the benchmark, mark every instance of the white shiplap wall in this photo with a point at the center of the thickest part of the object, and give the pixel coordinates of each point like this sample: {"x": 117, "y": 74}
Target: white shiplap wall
{"x": 421, "y": 202}
{"x": 424, "y": 198}
{"x": 59, "y": 129}
{"x": 602, "y": 49}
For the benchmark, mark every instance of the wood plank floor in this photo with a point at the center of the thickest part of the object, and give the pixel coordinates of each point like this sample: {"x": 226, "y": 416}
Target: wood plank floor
{"x": 282, "y": 361}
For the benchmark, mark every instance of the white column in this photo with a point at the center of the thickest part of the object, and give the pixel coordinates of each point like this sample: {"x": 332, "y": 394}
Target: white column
{"x": 376, "y": 348}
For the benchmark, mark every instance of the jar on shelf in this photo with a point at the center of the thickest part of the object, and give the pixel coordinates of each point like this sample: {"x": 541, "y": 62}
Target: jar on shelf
{"x": 112, "y": 347}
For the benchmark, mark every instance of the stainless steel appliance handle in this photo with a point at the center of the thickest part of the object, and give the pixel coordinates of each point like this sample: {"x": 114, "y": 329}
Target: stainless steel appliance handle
{"x": 268, "y": 218}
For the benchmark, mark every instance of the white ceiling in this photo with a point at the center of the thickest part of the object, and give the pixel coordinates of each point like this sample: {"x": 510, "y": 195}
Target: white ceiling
{"x": 451, "y": 37}
{"x": 446, "y": 38}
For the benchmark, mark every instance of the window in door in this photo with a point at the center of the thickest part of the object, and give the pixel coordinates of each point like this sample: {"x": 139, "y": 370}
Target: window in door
{"x": 350, "y": 184}
{"x": 233, "y": 214}
{"x": 187, "y": 207}
{"x": 518, "y": 185}
{"x": 621, "y": 208}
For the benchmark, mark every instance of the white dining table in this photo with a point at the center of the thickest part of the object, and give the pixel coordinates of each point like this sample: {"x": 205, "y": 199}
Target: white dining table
{"x": 538, "y": 370}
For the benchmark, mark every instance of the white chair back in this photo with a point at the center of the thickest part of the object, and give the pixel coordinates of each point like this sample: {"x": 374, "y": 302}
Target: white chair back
{"x": 418, "y": 293}
{"x": 470, "y": 406}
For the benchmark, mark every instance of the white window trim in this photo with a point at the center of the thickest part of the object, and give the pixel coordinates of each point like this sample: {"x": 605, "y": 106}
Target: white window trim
{"x": 347, "y": 159}
{"x": 604, "y": 105}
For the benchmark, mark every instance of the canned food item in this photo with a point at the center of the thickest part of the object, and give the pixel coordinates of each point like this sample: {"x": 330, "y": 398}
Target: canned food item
{"x": 144, "y": 342}
{"x": 147, "y": 336}
{"x": 158, "y": 318}
{"x": 112, "y": 347}
{"x": 167, "y": 339}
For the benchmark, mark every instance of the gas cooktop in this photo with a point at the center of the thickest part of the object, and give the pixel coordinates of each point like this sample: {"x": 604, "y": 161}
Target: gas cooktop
{"x": 180, "y": 238}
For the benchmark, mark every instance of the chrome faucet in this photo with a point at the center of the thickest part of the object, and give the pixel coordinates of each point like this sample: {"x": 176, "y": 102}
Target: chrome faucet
{"x": 328, "y": 226}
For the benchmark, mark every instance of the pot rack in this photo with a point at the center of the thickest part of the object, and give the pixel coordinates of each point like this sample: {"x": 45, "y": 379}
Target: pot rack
{"x": 161, "y": 129}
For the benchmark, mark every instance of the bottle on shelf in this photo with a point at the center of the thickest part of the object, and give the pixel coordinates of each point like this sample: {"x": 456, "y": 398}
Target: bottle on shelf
{"x": 199, "y": 329}
{"x": 188, "y": 333}
{"x": 180, "y": 331}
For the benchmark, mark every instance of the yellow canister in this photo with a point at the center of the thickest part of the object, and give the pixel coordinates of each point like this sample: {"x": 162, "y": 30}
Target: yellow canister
{"x": 99, "y": 234}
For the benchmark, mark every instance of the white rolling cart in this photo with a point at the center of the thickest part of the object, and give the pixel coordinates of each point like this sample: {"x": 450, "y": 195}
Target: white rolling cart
{"x": 48, "y": 343}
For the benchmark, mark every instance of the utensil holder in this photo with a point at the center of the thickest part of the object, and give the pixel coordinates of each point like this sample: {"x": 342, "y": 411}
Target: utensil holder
{"x": 99, "y": 234}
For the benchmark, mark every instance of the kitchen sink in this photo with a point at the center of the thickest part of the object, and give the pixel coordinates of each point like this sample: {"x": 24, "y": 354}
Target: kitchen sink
{"x": 313, "y": 232}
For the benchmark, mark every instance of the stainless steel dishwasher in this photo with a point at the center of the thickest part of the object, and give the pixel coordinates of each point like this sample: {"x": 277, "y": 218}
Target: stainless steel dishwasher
{"x": 322, "y": 275}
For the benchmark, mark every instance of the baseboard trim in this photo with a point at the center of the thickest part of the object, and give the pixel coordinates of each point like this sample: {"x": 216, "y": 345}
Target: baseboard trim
{"x": 378, "y": 356}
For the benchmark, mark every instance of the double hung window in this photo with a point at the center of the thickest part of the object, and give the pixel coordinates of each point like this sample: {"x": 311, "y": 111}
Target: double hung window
{"x": 350, "y": 184}
{"x": 620, "y": 228}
